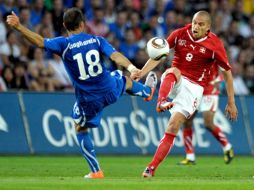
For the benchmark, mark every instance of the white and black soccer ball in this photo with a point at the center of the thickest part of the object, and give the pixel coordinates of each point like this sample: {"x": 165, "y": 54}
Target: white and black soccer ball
{"x": 157, "y": 48}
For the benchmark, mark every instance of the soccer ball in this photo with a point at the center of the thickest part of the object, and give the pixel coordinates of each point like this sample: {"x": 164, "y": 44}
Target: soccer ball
{"x": 157, "y": 48}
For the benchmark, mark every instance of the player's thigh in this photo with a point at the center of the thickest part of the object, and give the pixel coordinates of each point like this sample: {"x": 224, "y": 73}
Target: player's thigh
{"x": 186, "y": 97}
{"x": 121, "y": 83}
{"x": 79, "y": 129}
{"x": 129, "y": 83}
{"x": 189, "y": 122}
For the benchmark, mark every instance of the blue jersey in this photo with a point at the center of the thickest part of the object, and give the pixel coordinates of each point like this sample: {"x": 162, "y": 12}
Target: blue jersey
{"x": 82, "y": 55}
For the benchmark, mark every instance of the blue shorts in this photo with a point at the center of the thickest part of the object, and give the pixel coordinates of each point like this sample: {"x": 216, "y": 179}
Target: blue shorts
{"x": 88, "y": 114}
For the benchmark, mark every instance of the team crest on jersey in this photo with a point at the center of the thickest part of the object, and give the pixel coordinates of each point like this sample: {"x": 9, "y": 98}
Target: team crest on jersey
{"x": 182, "y": 42}
{"x": 202, "y": 50}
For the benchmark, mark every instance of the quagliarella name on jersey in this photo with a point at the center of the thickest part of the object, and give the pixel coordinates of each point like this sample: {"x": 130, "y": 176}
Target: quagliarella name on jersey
{"x": 82, "y": 43}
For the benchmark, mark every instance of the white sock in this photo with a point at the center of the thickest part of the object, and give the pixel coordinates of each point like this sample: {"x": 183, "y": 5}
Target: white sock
{"x": 190, "y": 157}
{"x": 227, "y": 147}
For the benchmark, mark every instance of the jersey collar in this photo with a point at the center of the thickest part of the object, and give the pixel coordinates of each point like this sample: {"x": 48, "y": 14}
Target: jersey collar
{"x": 192, "y": 39}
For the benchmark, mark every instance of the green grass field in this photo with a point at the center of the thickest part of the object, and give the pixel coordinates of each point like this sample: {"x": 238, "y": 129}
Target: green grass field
{"x": 66, "y": 172}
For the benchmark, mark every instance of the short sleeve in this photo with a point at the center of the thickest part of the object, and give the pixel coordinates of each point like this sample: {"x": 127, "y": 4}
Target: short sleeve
{"x": 105, "y": 47}
{"x": 55, "y": 45}
{"x": 221, "y": 57}
{"x": 172, "y": 38}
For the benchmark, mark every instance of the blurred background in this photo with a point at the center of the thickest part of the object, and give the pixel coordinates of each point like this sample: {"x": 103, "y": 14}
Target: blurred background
{"x": 38, "y": 120}
{"x": 127, "y": 24}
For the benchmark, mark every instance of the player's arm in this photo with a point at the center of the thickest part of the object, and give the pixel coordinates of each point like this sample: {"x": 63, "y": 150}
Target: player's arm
{"x": 150, "y": 65}
{"x": 36, "y": 39}
{"x": 231, "y": 109}
{"x": 121, "y": 60}
{"x": 222, "y": 60}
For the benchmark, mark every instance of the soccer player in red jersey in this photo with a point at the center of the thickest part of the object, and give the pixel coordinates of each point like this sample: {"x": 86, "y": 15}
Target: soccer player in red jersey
{"x": 208, "y": 106}
{"x": 196, "y": 49}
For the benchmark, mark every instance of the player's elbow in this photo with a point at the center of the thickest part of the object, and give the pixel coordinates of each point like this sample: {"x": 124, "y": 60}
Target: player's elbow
{"x": 120, "y": 59}
{"x": 40, "y": 43}
{"x": 227, "y": 75}
{"x": 115, "y": 56}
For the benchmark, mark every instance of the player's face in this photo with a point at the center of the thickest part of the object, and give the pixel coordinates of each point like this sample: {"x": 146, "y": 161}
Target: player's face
{"x": 200, "y": 26}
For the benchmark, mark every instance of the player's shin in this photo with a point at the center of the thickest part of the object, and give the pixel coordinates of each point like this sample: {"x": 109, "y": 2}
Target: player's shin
{"x": 166, "y": 143}
{"x": 138, "y": 89}
{"x": 187, "y": 138}
{"x": 167, "y": 85}
{"x": 220, "y": 136}
{"x": 87, "y": 150}
{"x": 188, "y": 146}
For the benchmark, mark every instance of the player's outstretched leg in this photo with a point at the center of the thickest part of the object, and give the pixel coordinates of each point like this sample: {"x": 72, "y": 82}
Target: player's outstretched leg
{"x": 87, "y": 149}
{"x": 169, "y": 79}
{"x": 163, "y": 105}
{"x": 144, "y": 90}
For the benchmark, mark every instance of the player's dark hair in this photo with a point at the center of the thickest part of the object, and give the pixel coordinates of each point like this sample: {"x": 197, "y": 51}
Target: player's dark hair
{"x": 72, "y": 18}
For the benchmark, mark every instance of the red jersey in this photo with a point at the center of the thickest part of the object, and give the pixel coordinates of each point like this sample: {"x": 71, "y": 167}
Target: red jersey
{"x": 212, "y": 88}
{"x": 194, "y": 58}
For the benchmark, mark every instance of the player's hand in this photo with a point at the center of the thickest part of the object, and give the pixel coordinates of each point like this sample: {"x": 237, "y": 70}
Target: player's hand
{"x": 231, "y": 112}
{"x": 13, "y": 20}
{"x": 135, "y": 74}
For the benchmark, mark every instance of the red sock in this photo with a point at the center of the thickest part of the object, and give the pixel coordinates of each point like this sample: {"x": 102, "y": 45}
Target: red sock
{"x": 220, "y": 136}
{"x": 167, "y": 85}
{"x": 163, "y": 149}
{"x": 187, "y": 138}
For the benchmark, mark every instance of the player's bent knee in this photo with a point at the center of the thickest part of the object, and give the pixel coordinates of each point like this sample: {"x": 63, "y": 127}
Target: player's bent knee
{"x": 128, "y": 83}
{"x": 208, "y": 121}
{"x": 175, "y": 71}
{"x": 173, "y": 127}
{"x": 188, "y": 124}
{"x": 173, "y": 130}
{"x": 79, "y": 129}
{"x": 209, "y": 125}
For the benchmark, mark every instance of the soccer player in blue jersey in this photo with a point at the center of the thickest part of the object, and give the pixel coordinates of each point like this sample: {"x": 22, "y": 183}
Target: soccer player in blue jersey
{"x": 95, "y": 87}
